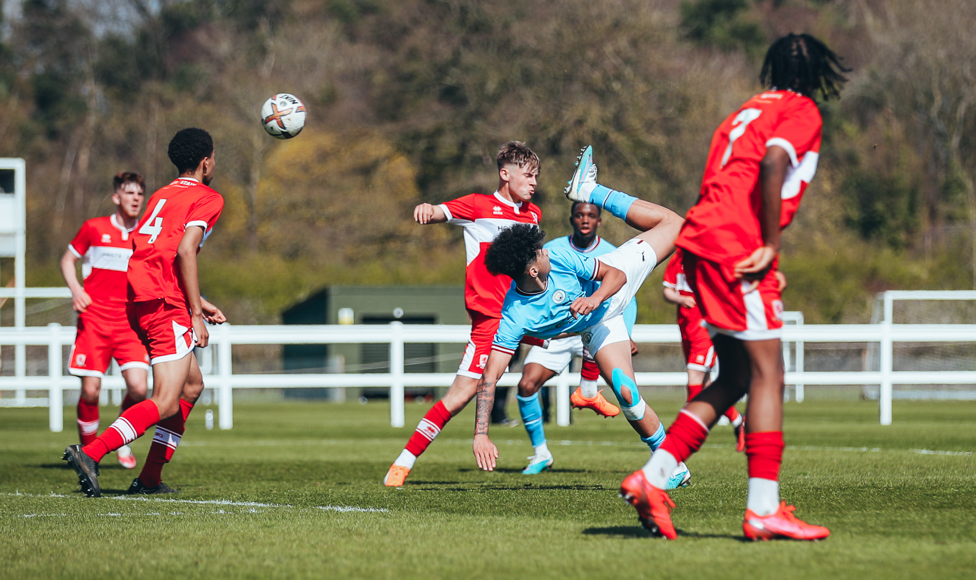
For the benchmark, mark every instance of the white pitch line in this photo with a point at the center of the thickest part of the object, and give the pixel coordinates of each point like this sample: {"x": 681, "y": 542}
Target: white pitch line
{"x": 226, "y": 502}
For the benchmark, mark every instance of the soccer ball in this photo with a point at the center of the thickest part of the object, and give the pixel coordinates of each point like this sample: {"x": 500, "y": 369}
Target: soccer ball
{"x": 283, "y": 116}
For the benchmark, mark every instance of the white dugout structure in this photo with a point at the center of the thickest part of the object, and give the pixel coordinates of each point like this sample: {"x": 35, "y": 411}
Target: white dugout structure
{"x": 223, "y": 380}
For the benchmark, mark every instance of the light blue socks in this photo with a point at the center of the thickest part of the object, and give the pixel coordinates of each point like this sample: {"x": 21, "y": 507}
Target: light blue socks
{"x": 655, "y": 440}
{"x": 616, "y": 202}
{"x": 531, "y": 410}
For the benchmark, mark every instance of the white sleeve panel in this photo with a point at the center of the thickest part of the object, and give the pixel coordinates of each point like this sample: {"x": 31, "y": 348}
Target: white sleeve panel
{"x": 780, "y": 142}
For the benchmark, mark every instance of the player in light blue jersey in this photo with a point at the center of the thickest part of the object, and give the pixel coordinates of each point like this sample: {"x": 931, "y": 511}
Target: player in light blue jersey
{"x": 542, "y": 364}
{"x": 552, "y": 296}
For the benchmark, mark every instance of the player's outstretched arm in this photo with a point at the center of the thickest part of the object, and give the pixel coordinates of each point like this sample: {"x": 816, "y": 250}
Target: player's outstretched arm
{"x": 611, "y": 281}
{"x": 80, "y": 300}
{"x": 772, "y": 175}
{"x": 426, "y": 213}
{"x": 186, "y": 257}
{"x": 485, "y": 452}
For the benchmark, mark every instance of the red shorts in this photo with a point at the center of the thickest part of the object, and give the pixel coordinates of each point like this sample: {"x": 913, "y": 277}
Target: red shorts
{"x": 483, "y": 329}
{"x": 727, "y": 309}
{"x": 165, "y": 329}
{"x": 695, "y": 341}
{"x": 103, "y": 334}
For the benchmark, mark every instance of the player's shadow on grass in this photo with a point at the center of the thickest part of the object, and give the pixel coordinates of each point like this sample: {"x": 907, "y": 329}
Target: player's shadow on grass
{"x": 640, "y": 532}
{"x": 64, "y": 465}
{"x": 519, "y": 471}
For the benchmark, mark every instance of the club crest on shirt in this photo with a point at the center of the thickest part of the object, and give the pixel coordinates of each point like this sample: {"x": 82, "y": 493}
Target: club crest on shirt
{"x": 106, "y": 238}
{"x": 80, "y": 360}
{"x": 482, "y": 361}
{"x": 558, "y": 296}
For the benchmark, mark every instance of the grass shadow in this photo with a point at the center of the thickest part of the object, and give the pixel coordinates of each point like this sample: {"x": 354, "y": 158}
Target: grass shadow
{"x": 641, "y": 532}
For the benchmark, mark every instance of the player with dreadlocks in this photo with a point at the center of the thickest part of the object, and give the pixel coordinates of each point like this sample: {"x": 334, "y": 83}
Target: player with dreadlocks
{"x": 761, "y": 160}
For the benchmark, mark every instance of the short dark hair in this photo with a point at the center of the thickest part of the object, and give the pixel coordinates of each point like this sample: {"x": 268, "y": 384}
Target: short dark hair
{"x": 518, "y": 154}
{"x": 123, "y": 177}
{"x": 513, "y": 250}
{"x": 572, "y": 210}
{"x": 189, "y": 147}
{"x": 804, "y": 64}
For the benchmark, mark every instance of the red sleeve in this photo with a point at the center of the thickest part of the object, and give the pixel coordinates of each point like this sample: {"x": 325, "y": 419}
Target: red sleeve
{"x": 205, "y": 212}
{"x": 798, "y": 131}
{"x": 672, "y": 270}
{"x": 462, "y": 208}
{"x": 82, "y": 241}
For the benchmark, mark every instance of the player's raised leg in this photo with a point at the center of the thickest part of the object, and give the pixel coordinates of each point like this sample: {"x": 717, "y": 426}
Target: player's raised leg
{"x": 587, "y": 396}
{"x": 136, "y": 377}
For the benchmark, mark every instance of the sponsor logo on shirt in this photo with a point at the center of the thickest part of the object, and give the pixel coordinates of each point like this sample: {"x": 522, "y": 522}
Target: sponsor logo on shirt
{"x": 497, "y": 210}
{"x": 106, "y": 239}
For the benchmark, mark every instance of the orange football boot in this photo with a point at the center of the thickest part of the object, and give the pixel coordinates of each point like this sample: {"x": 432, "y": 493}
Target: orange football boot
{"x": 782, "y": 524}
{"x": 653, "y": 504}
{"x": 740, "y": 436}
{"x": 598, "y": 403}
{"x": 396, "y": 476}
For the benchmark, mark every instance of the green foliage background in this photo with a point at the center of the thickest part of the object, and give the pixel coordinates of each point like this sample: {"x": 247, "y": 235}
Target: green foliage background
{"x": 409, "y": 99}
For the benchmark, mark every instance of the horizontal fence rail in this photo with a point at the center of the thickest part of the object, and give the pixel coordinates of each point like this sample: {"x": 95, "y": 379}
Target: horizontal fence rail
{"x": 224, "y": 337}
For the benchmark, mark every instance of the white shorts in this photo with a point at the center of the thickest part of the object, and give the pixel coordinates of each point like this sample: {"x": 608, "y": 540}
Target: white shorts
{"x": 559, "y": 354}
{"x": 637, "y": 259}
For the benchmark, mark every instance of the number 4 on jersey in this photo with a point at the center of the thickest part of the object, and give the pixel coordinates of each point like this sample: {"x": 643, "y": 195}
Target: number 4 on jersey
{"x": 154, "y": 225}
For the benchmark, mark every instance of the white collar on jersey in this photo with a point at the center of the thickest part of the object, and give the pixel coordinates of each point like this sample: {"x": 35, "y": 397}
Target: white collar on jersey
{"x": 587, "y": 249}
{"x": 125, "y": 231}
{"x": 512, "y": 204}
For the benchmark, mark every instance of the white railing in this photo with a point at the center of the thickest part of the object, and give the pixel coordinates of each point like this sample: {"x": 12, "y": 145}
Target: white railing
{"x": 223, "y": 338}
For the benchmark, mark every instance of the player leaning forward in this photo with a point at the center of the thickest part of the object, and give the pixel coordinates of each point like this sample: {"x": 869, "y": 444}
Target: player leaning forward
{"x": 554, "y": 294}
{"x": 762, "y": 157}
{"x": 166, "y": 310}
{"x": 104, "y": 246}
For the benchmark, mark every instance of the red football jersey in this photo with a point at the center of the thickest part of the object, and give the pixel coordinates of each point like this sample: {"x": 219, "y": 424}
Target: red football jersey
{"x": 674, "y": 275}
{"x": 482, "y": 217}
{"x": 724, "y": 226}
{"x": 104, "y": 245}
{"x": 153, "y": 272}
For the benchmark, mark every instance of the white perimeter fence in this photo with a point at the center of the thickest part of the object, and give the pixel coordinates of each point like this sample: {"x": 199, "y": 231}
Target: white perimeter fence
{"x": 223, "y": 338}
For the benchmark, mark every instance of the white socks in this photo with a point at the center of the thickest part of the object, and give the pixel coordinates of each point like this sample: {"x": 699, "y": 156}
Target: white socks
{"x": 738, "y": 420}
{"x": 763, "y": 496}
{"x": 406, "y": 459}
{"x": 542, "y": 450}
{"x": 659, "y": 468}
{"x": 588, "y": 388}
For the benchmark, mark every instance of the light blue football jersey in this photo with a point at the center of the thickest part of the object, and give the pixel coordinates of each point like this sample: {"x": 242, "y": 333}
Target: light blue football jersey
{"x": 547, "y": 314}
{"x": 599, "y": 248}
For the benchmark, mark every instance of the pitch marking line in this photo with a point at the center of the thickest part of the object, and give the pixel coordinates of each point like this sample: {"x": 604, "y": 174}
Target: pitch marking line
{"x": 222, "y": 502}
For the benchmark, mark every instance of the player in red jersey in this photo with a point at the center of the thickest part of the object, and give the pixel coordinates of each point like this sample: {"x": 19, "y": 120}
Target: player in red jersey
{"x": 104, "y": 246}
{"x": 761, "y": 160}
{"x": 482, "y": 217}
{"x": 165, "y": 308}
{"x": 695, "y": 341}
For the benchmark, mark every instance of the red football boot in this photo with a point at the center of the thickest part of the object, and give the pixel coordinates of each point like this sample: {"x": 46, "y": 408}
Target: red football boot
{"x": 782, "y": 524}
{"x": 653, "y": 504}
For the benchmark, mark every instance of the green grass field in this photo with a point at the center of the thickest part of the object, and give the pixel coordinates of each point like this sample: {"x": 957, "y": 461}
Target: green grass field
{"x": 294, "y": 490}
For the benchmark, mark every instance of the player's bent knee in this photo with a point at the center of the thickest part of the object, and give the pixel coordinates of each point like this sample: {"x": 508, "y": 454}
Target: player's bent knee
{"x": 634, "y": 410}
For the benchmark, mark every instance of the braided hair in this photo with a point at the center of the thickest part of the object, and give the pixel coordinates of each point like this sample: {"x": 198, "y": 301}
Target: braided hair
{"x": 803, "y": 64}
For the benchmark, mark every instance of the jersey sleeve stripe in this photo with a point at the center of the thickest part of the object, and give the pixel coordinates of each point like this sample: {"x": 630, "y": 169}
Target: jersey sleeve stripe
{"x": 200, "y": 223}
{"x": 670, "y": 285}
{"x": 73, "y": 251}
{"x": 502, "y": 349}
{"x": 596, "y": 269}
{"x": 780, "y": 142}
{"x": 447, "y": 212}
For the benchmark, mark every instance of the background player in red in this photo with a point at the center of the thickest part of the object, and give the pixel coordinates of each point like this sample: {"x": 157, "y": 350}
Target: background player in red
{"x": 165, "y": 307}
{"x": 695, "y": 341}
{"x": 482, "y": 217}
{"x": 104, "y": 245}
{"x": 761, "y": 160}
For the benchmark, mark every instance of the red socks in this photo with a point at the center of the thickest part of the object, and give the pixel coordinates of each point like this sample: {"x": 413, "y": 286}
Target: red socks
{"x": 732, "y": 414}
{"x": 167, "y": 438}
{"x": 685, "y": 436}
{"x": 590, "y": 372}
{"x": 693, "y": 391}
{"x": 87, "y": 421}
{"x": 765, "y": 454}
{"x": 428, "y": 429}
{"x": 127, "y": 428}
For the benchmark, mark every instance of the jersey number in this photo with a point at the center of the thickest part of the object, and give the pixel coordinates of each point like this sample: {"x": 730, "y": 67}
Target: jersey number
{"x": 154, "y": 225}
{"x": 739, "y": 125}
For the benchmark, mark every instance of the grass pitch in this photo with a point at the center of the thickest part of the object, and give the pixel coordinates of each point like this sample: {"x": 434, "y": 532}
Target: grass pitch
{"x": 294, "y": 490}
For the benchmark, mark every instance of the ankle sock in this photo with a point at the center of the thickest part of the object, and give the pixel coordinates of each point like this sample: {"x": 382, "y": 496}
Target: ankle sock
{"x": 126, "y": 429}
{"x": 616, "y": 202}
{"x": 427, "y": 430}
{"x": 87, "y": 421}
{"x": 530, "y": 408}
{"x": 165, "y": 441}
{"x": 655, "y": 440}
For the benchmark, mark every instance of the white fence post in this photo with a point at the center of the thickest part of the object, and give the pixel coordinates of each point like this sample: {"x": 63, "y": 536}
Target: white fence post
{"x": 55, "y": 401}
{"x": 562, "y": 398}
{"x": 396, "y": 374}
{"x": 887, "y": 355}
{"x": 224, "y": 361}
